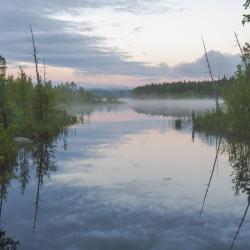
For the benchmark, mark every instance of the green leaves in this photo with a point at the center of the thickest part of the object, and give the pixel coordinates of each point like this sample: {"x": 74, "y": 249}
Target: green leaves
{"x": 7, "y": 146}
{"x": 247, "y": 4}
{"x": 246, "y": 17}
{"x": 3, "y": 67}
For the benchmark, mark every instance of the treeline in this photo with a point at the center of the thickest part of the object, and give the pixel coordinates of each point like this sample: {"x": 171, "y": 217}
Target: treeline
{"x": 108, "y": 93}
{"x": 183, "y": 88}
{"x": 27, "y": 109}
{"x": 69, "y": 93}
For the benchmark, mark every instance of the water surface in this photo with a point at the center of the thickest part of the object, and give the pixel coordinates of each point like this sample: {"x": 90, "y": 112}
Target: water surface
{"x": 125, "y": 178}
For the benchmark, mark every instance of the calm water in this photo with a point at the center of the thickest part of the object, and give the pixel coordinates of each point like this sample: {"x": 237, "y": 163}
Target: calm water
{"x": 125, "y": 178}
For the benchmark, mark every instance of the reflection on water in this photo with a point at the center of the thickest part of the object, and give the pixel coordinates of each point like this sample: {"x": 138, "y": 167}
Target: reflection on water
{"x": 239, "y": 158}
{"x": 123, "y": 178}
{"x": 170, "y": 107}
{"x": 44, "y": 163}
{"x": 238, "y": 153}
{"x": 36, "y": 159}
{"x": 212, "y": 173}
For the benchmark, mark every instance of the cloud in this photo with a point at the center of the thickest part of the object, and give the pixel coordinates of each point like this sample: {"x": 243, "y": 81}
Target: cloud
{"x": 133, "y": 6}
{"x": 115, "y": 218}
{"x": 221, "y": 64}
{"x": 73, "y": 44}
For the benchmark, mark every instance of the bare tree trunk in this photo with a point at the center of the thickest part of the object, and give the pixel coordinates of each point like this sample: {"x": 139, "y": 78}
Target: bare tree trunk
{"x": 35, "y": 56}
{"x": 44, "y": 70}
{"x": 212, "y": 78}
{"x": 241, "y": 50}
{"x": 40, "y": 111}
{"x": 3, "y": 112}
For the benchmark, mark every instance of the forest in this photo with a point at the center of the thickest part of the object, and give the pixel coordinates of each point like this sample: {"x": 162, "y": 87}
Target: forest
{"x": 183, "y": 89}
{"x": 24, "y": 105}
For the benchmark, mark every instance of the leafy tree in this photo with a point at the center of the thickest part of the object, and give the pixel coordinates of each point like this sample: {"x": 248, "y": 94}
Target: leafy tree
{"x": 7, "y": 242}
{"x": 3, "y": 111}
{"x": 246, "y": 17}
{"x": 3, "y": 67}
{"x": 238, "y": 99}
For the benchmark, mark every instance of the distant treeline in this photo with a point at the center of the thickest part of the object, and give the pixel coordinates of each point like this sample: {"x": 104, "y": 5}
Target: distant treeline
{"x": 109, "y": 92}
{"x": 68, "y": 93}
{"x": 183, "y": 88}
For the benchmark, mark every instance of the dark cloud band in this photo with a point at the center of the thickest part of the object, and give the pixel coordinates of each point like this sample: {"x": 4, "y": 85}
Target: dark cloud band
{"x": 61, "y": 43}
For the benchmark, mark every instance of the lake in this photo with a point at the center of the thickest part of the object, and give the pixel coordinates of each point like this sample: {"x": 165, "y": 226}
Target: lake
{"x": 124, "y": 177}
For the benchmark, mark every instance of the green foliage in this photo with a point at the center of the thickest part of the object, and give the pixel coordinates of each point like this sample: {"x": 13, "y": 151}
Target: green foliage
{"x": 7, "y": 242}
{"x": 68, "y": 93}
{"x": 246, "y": 17}
{"x": 33, "y": 109}
{"x": 182, "y": 89}
{"x": 43, "y": 103}
{"x": 239, "y": 156}
{"x": 246, "y": 51}
{"x": 7, "y": 146}
{"x": 212, "y": 123}
{"x": 29, "y": 110}
{"x": 177, "y": 124}
{"x": 236, "y": 121}
{"x": 22, "y": 87}
{"x": 2, "y": 67}
{"x": 238, "y": 101}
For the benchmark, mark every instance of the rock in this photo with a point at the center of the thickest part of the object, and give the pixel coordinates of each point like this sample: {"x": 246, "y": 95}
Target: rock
{"x": 22, "y": 140}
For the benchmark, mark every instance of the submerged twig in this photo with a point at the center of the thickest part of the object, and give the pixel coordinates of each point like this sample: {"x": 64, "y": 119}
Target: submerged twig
{"x": 39, "y": 184}
{"x": 211, "y": 176}
{"x": 241, "y": 223}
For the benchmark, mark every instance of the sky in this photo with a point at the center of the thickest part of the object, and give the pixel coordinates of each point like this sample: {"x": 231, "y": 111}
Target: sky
{"x": 122, "y": 42}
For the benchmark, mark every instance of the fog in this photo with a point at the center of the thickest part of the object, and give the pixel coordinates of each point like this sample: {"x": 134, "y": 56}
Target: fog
{"x": 172, "y": 107}
{"x": 167, "y": 107}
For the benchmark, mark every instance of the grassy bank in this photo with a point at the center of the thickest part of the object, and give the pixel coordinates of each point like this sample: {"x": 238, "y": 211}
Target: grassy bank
{"x": 35, "y": 111}
{"x": 235, "y": 118}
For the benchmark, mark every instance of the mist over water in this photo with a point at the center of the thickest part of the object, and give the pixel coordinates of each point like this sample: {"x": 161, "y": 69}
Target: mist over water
{"x": 129, "y": 180}
{"x": 172, "y": 107}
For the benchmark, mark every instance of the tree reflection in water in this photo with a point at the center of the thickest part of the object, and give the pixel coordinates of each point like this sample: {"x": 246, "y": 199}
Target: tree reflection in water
{"x": 239, "y": 158}
{"x": 8, "y": 169}
{"x": 44, "y": 163}
{"x": 38, "y": 157}
{"x": 238, "y": 152}
{"x": 212, "y": 173}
